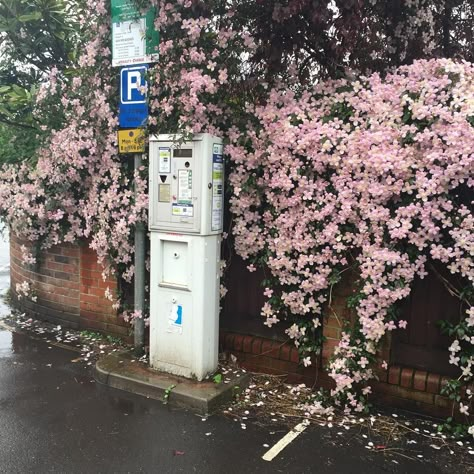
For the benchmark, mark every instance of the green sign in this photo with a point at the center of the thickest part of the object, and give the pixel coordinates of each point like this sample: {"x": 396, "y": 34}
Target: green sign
{"x": 134, "y": 38}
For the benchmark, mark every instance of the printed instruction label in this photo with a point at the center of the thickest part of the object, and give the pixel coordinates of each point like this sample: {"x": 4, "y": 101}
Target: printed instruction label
{"x": 182, "y": 210}
{"x": 217, "y": 187}
{"x": 134, "y": 38}
{"x": 185, "y": 186}
{"x": 164, "y": 160}
{"x": 128, "y": 39}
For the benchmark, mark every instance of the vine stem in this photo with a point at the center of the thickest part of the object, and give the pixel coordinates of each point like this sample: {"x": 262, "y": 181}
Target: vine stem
{"x": 449, "y": 286}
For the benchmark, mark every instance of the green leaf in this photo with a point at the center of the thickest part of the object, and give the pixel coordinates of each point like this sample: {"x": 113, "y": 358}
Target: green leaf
{"x": 30, "y": 17}
{"x": 5, "y": 111}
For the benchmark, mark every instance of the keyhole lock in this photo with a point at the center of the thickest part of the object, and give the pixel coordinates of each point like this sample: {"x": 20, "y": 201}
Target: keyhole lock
{"x": 176, "y": 255}
{"x": 209, "y": 185}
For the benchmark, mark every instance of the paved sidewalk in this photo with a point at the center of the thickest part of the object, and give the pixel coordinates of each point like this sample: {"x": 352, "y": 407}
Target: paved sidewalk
{"x": 55, "y": 418}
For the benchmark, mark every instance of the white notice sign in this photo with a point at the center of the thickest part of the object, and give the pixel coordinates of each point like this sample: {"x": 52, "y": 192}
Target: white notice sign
{"x": 217, "y": 187}
{"x": 164, "y": 164}
{"x": 129, "y": 41}
{"x": 185, "y": 186}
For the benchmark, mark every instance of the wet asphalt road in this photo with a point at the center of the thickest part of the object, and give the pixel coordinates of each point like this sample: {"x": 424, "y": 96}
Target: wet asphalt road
{"x": 55, "y": 418}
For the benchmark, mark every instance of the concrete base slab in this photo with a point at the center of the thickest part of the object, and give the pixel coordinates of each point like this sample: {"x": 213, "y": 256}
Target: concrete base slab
{"x": 118, "y": 371}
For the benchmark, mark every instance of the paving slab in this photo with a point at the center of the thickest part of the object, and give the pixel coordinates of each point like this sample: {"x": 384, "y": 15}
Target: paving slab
{"x": 118, "y": 371}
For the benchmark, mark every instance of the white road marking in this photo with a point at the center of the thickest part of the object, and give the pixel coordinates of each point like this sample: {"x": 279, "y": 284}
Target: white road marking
{"x": 284, "y": 442}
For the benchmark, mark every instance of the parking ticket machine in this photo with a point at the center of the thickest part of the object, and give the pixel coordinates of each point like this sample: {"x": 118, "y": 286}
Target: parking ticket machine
{"x": 185, "y": 222}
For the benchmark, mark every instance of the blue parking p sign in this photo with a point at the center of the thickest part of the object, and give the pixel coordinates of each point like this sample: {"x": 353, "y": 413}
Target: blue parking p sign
{"x": 133, "y": 109}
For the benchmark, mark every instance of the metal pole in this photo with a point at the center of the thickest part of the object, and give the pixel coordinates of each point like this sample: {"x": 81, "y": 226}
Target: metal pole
{"x": 139, "y": 282}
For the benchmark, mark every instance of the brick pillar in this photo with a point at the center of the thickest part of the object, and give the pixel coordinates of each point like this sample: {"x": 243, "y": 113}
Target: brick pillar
{"x": 96, "y": 311}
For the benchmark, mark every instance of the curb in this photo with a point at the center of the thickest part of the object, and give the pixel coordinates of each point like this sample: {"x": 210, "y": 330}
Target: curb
{"x": 118, "y": 371}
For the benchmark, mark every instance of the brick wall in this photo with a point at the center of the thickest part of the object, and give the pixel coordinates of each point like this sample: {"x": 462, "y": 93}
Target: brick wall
{"x": 70, "y": 291}
{"x": 96, "y": 311}
{"x": 401, "y": 387}
{"x": 54, "y": 279}
{"x": 67, "y": 283}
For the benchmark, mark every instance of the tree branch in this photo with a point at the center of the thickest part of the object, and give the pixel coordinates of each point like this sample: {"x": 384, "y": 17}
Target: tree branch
{"x": 3, "y": 119}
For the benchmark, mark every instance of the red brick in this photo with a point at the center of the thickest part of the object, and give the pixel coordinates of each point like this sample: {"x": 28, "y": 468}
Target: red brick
{"x": 71, "y": 301}
{"x": 406, "y": 378}
{"x": 99, "y": 292}
{"x": 394, "y": 375}
{"x": 89, "y": 299}
{"x": 419, "y": 380}
{"x": 257, "y": 346}
{"x": 89, "y": 282}
{"x": 88, "y": 258}
{"x": 92, "y": 274}
{"x": 404, "y": 393}
{"x": 51, "y": 265}
{"x": 55, "y": 283}
{"x": 87, "y": 314}
{"x": 105, "y": 318}
{"x": 328, "y": 348}
{"x": 332, "y": 321}
{"x": 266, "y": 347}
{"x": 67, "y": 276}
{"x": 285, "y": 352}
{"x": 99, "y": 325}
{"x": 443, "y": 402}
{"x": 111, "y": 284}
{"x": 238, "y": 342}
{"x": 51, "y": 297}
{"x": 266, "y": 364}
{"x": 332, "y": 332}
{"x": 103, "y": 305}
{"x": 247, "y": 344}
{"x": 70, "y": 251}
{"x": 275, "y": 352}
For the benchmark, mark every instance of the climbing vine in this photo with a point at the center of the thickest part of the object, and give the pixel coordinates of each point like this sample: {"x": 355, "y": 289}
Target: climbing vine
{"x": 372, "y": 173}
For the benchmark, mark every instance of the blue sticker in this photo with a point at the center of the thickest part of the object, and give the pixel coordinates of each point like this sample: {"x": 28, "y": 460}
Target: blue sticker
{"x": 179, "y": 319}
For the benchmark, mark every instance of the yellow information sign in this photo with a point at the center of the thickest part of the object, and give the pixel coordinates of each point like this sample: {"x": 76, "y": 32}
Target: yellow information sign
{"x": 131, "y": 140}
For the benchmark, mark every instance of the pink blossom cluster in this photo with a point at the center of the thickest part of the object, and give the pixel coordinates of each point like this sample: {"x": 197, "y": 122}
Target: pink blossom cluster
{"x": 373, "y": 172}
{"x": 80, "y": 187}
